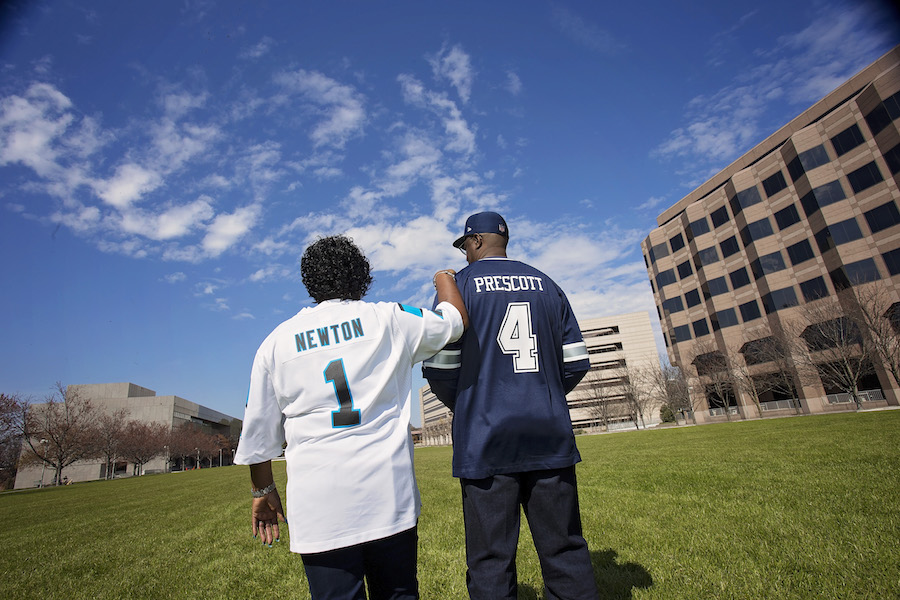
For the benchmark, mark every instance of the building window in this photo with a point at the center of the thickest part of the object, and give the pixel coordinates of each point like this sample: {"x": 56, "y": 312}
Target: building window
{"x": 699, "y": 227}
{"x": 756, "y": 231}
{"x": 807, "y": 161}
{"x": 739, "y": 278}
{"x": 658, "y": 251}
{"x": 814, "y": 289}
{"x": 692, "y": 298}
{"x": 847, "y": 140}
{"x": 685, "y": 270}
{"x": 882, "y": 217}
{"x": 774, "y": 184}
{"x": 749, "y": 311}
{"x": 665, "y": 278}
{"x": 707, "y": 256}
{"x": 701, "y": 328}
{"x": 729, "y": 247}
{"x": 822, "y": 196}
{"x": 681, "y": 333}
{"x": 677, "y": 242}
{"x": 672, "y": 305}
{"x": 724, "y": 318}
{"x": 787, "y": 217}
{"x": 838, "y": 233}
{"x": 719, "y": 217}
{"x": 745, "y": 198}
{"x": 714, "y": 287}
{"x": 765, "y": 265}
{"x": 779, "y": 299}
{"x": 892, "y": 158}
{"x": 855, "y": 273}
{"x": 892, "y": 261}
{"x": 884, "y": 113}
{"x": 864, "y": 177}
{"x": 800, "y": 252}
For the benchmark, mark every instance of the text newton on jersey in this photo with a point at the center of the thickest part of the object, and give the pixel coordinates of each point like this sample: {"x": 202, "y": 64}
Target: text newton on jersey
{"x": 325, "y": 336}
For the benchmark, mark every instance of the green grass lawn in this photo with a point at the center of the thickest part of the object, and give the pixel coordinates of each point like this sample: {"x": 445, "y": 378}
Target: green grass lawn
{"x": 803, "y": 507}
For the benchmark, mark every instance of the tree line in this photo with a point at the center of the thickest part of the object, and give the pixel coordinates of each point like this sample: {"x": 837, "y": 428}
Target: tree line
{"x": 67, "y": 428}
{"x": 848, "y": 344}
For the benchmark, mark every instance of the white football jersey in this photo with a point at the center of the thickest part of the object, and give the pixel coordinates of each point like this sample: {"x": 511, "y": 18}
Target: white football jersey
{"x": 334, "y": 382}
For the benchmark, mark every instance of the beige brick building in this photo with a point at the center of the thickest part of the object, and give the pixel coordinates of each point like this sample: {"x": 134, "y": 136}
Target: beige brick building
{"x": 809, "y": 212}
{"x": 616, "y": 345}
{"x": 141, "y": 404}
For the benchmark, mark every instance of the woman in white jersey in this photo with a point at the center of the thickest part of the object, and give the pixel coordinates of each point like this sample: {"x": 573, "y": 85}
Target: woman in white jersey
{"x": 334, "y": 383}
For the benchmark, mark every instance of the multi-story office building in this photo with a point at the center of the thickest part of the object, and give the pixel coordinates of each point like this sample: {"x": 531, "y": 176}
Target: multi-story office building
{"x": 811, "y": 212}
{"x": 619, "y": 346}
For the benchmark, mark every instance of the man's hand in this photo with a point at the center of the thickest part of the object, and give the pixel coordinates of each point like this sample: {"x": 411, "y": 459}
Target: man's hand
{"x": 265, "y": 513}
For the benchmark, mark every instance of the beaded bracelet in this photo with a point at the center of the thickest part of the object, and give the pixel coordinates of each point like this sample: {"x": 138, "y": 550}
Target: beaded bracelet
{"x": 263, "y": 492}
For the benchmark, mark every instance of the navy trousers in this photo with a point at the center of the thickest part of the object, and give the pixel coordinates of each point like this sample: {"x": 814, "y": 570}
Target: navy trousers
{"x": 387, "y": 565}
{"x": 549, "y": 500}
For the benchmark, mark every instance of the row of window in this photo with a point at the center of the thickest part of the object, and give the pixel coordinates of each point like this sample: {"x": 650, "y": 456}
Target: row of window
{"x": 856, "y": 273}
{"x": 832, "y": 235}
{"x": 859, "y": 180}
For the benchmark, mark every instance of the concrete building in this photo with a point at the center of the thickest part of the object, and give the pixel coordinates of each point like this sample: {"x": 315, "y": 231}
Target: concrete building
{"x": 618, "y": 346}
{"x": 140, "y": 404}
{"x": 809, "y": 213}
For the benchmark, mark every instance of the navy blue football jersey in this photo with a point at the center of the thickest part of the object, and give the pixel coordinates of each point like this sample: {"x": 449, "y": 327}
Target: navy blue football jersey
{"x": 506, "y": 378}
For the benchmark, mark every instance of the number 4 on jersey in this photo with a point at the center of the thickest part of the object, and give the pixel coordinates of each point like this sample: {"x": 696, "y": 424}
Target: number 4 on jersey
{"x": 516, "y": 337}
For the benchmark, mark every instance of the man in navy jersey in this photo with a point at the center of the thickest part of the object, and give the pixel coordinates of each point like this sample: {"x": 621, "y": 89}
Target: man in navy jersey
{"x": 506, "y": 381}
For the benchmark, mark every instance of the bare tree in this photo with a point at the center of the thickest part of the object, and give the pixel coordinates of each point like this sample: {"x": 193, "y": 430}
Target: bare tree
{"x": 715, "y": 376}
{"x": 637, "y": 391}
{"x": 875, "y": 309}
{"x": 749, "y": 381}
{"x": 12, "y": 412}
{"x": 670, "y": 387}
{"x": 60, "y": 431}
{"x": 184, "y": 441}
{"x": 602, "y": 394}
{"x": 836, "y": 347}
{"x": 142, "y": 442}
{"x": 110, "y": 430}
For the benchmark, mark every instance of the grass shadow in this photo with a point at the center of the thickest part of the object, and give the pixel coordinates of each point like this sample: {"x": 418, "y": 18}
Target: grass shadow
{"x": 614, "y": 581}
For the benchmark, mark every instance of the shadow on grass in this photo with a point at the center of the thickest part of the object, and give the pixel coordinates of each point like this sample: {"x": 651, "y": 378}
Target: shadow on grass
{"x": 614, "y": 581}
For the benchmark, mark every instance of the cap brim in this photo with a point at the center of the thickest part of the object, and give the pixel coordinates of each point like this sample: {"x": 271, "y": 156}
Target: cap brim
{"x": 459, "y": 241}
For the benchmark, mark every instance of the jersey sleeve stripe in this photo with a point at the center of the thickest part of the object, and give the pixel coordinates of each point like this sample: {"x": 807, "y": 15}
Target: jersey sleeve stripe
{"x": 574, "y": 352}
{"x": 445, "y": 359}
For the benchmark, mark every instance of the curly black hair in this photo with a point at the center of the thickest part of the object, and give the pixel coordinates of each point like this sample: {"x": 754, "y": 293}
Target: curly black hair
{"x": 334, "y": 268}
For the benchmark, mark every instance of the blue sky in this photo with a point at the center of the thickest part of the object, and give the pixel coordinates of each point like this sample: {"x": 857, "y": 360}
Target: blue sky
{"x": 163, "y": 164}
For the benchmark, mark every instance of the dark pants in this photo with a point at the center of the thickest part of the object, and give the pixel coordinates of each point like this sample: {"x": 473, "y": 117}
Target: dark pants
{"x": 491, "y": 514}
{"x": 388, "y": 566}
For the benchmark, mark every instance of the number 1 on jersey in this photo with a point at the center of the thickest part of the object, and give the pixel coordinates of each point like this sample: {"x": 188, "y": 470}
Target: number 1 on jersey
{"x": 347, "y": 416}
{"x": 516, "y": 337}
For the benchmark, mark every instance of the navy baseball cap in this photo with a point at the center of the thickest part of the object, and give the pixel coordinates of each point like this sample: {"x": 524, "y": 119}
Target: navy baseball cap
{"x": 483, "y": 222}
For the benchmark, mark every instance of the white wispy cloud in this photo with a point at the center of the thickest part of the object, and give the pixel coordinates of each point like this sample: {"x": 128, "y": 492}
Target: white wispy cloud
{"x": 340, "y": 108}
{"x": 226, "y": 229}
{"x": 30, "y": 126}
{"x": 455, "y": 65}
{"x": 583, "y": 32}
{"x": 460, "y": 135}
{"x": 799, "y": 70}
{"x": 129, "y": 183}
{"x": 258, "y": 50}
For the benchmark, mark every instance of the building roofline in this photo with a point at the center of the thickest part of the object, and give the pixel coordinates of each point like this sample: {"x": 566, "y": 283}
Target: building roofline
{"x": 839, "y": 96}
